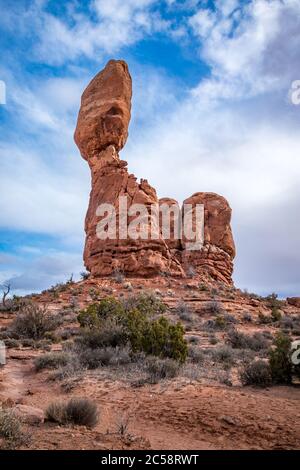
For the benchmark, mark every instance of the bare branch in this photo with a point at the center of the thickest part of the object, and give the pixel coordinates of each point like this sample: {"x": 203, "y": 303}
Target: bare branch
{"x": 6, "y": 287}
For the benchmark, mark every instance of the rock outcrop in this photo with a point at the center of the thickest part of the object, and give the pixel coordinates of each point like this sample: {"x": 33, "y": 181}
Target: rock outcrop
{"x": 216, "y": 256}
{"x": 294, "y": 301}
{"x": 101, "y": 132}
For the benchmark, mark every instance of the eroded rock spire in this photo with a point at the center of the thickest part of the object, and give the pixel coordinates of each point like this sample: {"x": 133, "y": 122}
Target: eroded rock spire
{"x": 101, "y": 132}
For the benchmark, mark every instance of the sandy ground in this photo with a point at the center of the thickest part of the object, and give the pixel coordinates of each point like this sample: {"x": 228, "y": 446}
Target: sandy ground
{"x": 175, "y": 414}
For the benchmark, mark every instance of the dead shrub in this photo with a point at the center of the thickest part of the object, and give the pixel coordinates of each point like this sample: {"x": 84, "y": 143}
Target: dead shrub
{"x": 160, "y": 369}
{"x": 238, "y": 340}
{"x": 256, "y": 373}
{"x": 34, "y": 322}
{"x": 51, "y": 360}
{"x": 80, "y": 411}
{"x": 11, "y": 429}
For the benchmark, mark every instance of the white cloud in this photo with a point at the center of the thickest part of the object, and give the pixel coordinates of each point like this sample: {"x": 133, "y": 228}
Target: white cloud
{"x": 27, "y": 276}
{"x": 248, "y": 48}
{"x": 104, "y": 28}
{"x": 38, "y": 198}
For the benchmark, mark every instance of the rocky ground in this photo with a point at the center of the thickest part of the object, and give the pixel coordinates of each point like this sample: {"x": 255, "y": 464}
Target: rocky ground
{"x": 205, "y": 406}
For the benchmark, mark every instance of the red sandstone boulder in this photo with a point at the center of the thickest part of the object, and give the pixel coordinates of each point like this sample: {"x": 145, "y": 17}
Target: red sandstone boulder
{"x": 295, "y": 301}
{"x": 29, "y": 414}
{"x": 105, "y": 110}
{"x": 216, "y": 256}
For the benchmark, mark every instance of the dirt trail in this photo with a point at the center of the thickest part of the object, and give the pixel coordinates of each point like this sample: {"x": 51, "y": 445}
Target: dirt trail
{"x": 16, "y": 377}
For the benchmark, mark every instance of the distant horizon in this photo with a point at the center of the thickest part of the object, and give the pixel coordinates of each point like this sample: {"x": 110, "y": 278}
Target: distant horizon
{"x": 216, "y": 108}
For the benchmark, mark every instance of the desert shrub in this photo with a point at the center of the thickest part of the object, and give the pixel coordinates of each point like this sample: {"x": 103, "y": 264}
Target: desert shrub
{"x": 256, "y": 373}
{"x": 51, "y": 360}
{"x": 73, "y": 368}
{"x": 272, "y": 301}
{"x": 195, "y": 354}
{"x": 275, "y": 314}
{"x": 256, "y": 342}
{"x": 10, "y": 429}
{"x": 264, "y": 319}
{"x": 34, "y": 322}
{"x": 94, "y": 294}
{"x": 12, "y": 343}
{"x": 203, "y": 287}
{"x": 216, "y": 324}
{"x": 158, "y": 337}
{"x": 111, "y": 333}
{"x": 280, "y": 359}
{"x": 214, "y": 307}
{"x": 81, "y": 411}
{"x": 28, "y": 343}
{"x": 213, "y": 339}
{"x": 184, "y": 312}
{"x": 94, "y": 358}
{"x": 160, "y": 369}
{"x": 220, "y": 322}
{"x": 224, "y": 354}
{"x": 247, "y": 317}
{"x": 193, "y": 339}
{"x": 67, "y": 333}
{"x": 115, "y": 325}
{"x": 287, "y": 322}
{"x": 146, "y": 302}
{"x": 228, "y": 318}
{"x": 118, "y": 276}
{"x": 95, "y": 313}
{"x": 267, "y": 334}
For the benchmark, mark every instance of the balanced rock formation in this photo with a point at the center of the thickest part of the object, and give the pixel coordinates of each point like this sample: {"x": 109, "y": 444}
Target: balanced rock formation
{"x": 101, "y": 132}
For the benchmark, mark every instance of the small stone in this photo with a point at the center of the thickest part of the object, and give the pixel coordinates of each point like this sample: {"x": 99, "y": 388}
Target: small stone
{"x": 29, "y": 414}
{"x": 228, "y": 420}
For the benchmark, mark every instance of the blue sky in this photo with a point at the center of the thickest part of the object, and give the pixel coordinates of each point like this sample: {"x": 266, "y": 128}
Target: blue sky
{"x": 211, "y": 112}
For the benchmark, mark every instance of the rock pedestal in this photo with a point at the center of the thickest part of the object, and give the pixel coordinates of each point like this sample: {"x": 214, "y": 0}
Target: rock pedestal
{"x": 101, "y": 132}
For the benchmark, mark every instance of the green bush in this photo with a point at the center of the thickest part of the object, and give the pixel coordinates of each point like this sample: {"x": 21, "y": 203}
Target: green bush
{"x": 256, "y": 373}
{"x": 272, "y": 301}
{"x": 280, "y": 359}
{"x": 95, "y": 313}
{"x": 275, "y": 314}
{"x": 166, "y": 340}
{"x": 157, "y": 338}
{"x": 220, "y": 322}
{"x": 109, "y": 323}
{"x": 146, "y": 302}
